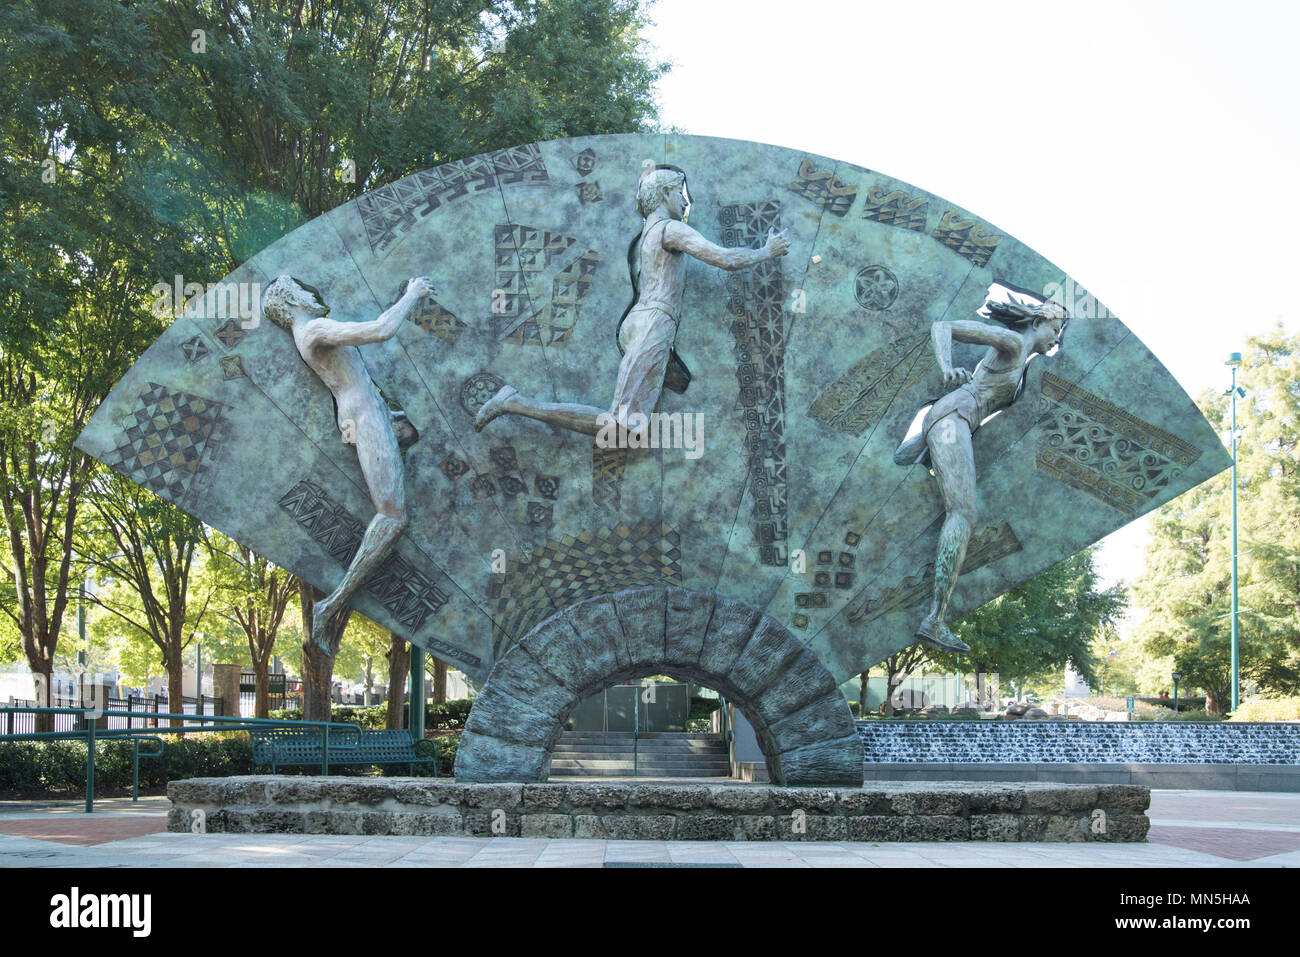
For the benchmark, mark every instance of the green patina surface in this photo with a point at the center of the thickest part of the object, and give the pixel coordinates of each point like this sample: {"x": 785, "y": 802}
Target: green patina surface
{"x": 808, "y": 371}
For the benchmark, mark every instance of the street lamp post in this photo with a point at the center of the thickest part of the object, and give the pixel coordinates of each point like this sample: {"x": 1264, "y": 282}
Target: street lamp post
{"x": 1234, "y": 361}
{"x": 1177, "y": 676}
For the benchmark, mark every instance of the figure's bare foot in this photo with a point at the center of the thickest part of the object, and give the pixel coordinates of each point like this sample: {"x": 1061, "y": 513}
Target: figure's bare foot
{"x": 937, "y": 635}
{"x": 321, "y": 614}
{"x": 494, "y": 407}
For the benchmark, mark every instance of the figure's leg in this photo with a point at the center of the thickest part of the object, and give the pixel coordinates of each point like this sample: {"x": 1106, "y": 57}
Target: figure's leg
{"x": 381, "y": 464}
{"x": 953, "y": 458}
{"x": 566, "y": 415}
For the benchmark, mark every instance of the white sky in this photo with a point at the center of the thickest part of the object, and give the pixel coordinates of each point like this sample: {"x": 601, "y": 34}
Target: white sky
{"x": 1150, "y": 149}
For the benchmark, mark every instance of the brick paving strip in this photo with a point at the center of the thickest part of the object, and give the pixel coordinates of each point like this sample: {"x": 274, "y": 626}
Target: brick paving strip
{"x": 1237, "y": 844}
{"x": 85, "y": 831}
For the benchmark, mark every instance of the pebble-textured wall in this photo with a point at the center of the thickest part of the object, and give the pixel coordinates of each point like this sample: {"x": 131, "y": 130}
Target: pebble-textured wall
{"x": 1069, "y": 742}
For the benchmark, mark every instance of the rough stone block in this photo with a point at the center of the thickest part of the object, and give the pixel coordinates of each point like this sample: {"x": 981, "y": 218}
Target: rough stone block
{"x": 732, "y": 798}
{"x": 658, "y": 827}
{"x": 679, "y": 797}
{"x": 806, "y": 799}
{"x": 484, "y": 758}
{"x": 499, "y": 715}
{"x": 545, "y": 796}
{"x": 598, "y": 652}
{"x": 825, "y": 716}
{"x": 508, "y": 797}
{"x": 990, "y": 800}
{"x": 584, "y": 797}
{"x": 875, "y": 827}
{"x": 854, "y": 802}
{"x": 686, "y": 618}
{"x": 994, "y": 827}
{"x": 836, "y": 762}
{"x": 706, "y": 827}
{"x": 803, "y": 679}
{"x": 641, "y": 612}
{"x": 492, "y": 822}
{"x": 767, "y": 655}
{"x": 430, "y": 793}
{"x": 913, "y": 803}
{"x": 546, "y": 825}
{"x": 729, "y": 630}
{"x": 1123, "y": 826}
{"x": 1062, "y": 798}
{"x": 755, "y": 827}
{"x": 1123, "y": 797}
{"x": 525, "y": 680}
{"x": 936, "y": 827}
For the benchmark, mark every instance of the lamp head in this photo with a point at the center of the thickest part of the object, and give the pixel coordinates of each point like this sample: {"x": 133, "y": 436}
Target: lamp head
{"x": 1234, "y": 359}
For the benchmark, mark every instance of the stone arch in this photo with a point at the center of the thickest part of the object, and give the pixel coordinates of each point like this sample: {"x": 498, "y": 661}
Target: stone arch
{"x": 802, "y": 722}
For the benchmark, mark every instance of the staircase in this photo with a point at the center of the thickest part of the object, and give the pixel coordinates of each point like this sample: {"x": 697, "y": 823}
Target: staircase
{"x": 659, "y": 755}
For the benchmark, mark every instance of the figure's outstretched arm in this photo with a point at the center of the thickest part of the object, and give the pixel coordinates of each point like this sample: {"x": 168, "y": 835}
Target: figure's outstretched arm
{"x": 944, "y": 332}
{"x": 329, "y": 332}
{"x": 681, "y": 238}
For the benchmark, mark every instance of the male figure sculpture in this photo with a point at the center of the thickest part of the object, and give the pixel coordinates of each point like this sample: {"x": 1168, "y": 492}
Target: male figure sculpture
{"x": 329, "y": 347}
{"x": 945, "y": 437}
{"x": 647, "y": 332}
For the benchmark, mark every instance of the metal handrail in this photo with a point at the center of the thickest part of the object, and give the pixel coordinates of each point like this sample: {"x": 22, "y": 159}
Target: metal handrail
{"x": 728, "y": 736}
{"x": 231, "y": 723}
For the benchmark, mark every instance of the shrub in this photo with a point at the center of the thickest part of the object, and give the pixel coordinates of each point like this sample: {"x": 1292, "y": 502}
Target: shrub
{"x": 1268, "y": 709}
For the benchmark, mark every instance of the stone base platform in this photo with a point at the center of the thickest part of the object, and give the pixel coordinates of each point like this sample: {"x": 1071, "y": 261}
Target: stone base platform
{"x": 895, "y": 811}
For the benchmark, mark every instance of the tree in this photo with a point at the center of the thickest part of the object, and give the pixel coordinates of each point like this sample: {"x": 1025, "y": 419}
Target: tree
{"x": 1040, "y": 625}
{"x": 897, "y": 667}
{"x": 80, "y": 244}
{"x": 399, "y": 666}
{"x": 254, "y": 595}
{"x": 1185, "y": 587}
{"x": 144, "y": 550}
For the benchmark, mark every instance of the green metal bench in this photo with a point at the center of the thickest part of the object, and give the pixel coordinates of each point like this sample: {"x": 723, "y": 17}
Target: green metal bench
{"x": 302, "y": 746}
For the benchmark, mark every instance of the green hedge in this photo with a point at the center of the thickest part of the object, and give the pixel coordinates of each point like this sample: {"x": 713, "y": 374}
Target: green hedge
{"x": 61, "y": 765}
{"x": 448, "y": 716}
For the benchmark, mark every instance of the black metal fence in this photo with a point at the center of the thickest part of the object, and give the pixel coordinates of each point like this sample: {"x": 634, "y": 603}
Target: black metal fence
{"x": 146, "y": 705}
{"x": 285, "y": 692}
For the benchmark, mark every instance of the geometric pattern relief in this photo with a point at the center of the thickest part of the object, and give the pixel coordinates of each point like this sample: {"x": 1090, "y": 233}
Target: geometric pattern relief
{"x": 436, "y": 320}
{"x": 896, "y": 208}
{"x": 995, "y": 542}
{"x": 578, "y": 567}
{"x": 856, "y": 400}
{"x": 607, "y": 468}
{"x": 969, "y": 237}
{"x": 540, "y": 285}
{"x": 391, "y": 210}
{"x": 398, "y": 585}
{"x": 756, "y": 300}
{"x": 1099, "y": 448}
{"x": 164, "y": 450}
{"x": 875, "y": 287}
{"x": 824, "y": 188}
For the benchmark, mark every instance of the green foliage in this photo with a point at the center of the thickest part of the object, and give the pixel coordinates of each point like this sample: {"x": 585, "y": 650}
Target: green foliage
{"x": 1040, "y": 625}
{"x": 448, "y": 716}
{"x": 61, "y": 765}
{"x": 1186, "y": 584}
{"x": 1268, "y": 709}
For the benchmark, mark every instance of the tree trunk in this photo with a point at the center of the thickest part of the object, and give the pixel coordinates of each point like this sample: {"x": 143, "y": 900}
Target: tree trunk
{"x": 43, "y": 676}
{"x": 317, "y": 666}
{"x": 891, "y": 682}
{"x": 862, "y": 694}
{"x": 262, "y": 688}
{"x": 175, "y": 687}
{"x": 439, "y": 681}
{"x": 399, "y": 665}
{"x": 1214, "y": 702}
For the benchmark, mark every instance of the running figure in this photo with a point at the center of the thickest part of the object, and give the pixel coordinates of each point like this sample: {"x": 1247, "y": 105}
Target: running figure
{"x": 945, "y": 436}
{"x": 364, "y": 419}
{"x": 647, "y": 332}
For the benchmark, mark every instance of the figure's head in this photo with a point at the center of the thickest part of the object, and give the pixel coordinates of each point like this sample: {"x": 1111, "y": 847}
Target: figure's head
{"x": 286, "y": 298}
{"x": 1045, "y": 322}
{"x": 666, "y": 186}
